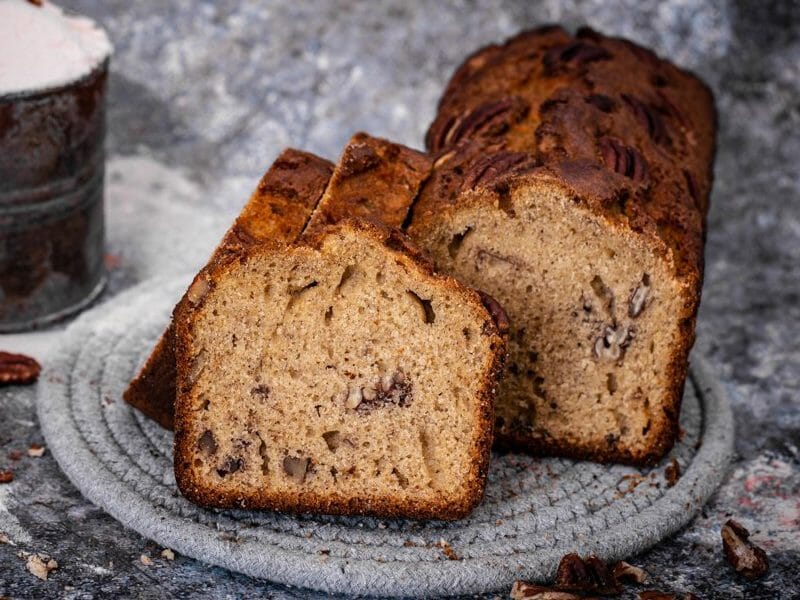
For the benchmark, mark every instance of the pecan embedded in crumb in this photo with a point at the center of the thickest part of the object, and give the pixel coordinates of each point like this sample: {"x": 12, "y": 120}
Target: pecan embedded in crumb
{"x": 18, "y": 369}
{"x": 748, "y": 559}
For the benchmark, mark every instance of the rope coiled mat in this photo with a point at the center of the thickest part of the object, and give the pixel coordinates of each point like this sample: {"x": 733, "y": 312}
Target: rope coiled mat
{"x": 535, "y": 509}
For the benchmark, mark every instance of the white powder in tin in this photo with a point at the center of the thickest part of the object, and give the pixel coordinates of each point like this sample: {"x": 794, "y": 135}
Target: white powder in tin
{"x": 41, "y": 47}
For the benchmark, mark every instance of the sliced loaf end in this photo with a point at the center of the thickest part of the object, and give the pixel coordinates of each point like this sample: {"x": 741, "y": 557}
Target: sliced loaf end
{"x": 602, "y": 326}
{"x": 339, "y": 376}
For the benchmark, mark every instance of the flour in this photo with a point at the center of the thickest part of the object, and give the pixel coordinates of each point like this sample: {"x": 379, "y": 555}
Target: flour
{"x": 41, "y": 47}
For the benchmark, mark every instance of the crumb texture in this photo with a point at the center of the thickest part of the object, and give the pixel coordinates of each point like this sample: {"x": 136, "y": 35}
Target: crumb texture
{"x": 338, "y": 378}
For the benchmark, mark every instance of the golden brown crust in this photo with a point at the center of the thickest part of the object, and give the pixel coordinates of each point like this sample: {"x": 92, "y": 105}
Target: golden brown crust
{"x": 278, "y": 210}
{"x": 375, "y": 178}
{"x": 628, "y": 135}
{"x": 414, "y": 260}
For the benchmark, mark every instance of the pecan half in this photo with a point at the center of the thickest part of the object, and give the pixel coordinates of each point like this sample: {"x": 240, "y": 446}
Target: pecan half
{"x": 576, "y": 53}
{"x": 491, "y": 167}
{"x": 623, "y": 571}
{"x": 487, "y": 120}
{"x": 522, "y": 590}
{"x": 18, "y": 369}
{"x": 622, "y": 159}
{"x": 586, "y": 575}
{"x": 648, "y": 118}
{"x": 747, "y": 558}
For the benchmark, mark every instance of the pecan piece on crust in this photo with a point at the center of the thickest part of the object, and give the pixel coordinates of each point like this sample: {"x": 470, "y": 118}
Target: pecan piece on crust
{"x": 748, "y": 559}
{"x": 622, "y": 159}
{"x": 493, "y": 166}
{"x": 576, "y": 53}
{"x": 18, "y": 369}
{"x": 649, "y": 119}
{"x": 486, "y": 120}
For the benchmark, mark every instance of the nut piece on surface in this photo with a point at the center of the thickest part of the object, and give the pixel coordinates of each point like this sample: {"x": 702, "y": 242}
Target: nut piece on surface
{"x": 623, "y": 571}
{"x": 585, "y": 575}
{"x": 748, "y": 559}
{"x": 168, "y": 554}
{"x": 145, "y": 560}
{"x": 18, "y": 369}
{"x": 529, "y": 591}
{"x": 36, "y": 451}
{"x": 6, "y": 476}
{"x": 39, "y": 565}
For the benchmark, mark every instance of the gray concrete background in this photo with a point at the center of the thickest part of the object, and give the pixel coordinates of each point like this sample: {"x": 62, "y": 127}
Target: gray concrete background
{"x": 203, "y": 96}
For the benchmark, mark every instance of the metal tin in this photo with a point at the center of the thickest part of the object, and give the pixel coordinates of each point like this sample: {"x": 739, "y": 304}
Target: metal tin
{"x": 51, "y": 201}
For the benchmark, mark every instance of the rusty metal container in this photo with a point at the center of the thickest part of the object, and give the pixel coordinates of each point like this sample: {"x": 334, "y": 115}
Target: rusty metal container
{"x": 51, "y": 201}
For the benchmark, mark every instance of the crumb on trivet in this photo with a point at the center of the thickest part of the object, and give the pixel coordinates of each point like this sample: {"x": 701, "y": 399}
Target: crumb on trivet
{"x": 748, "y": 559}
{"x": 145, "y": 560}
{"x": 6, "y": 476}
{"x": 39, "y": 565}
{"x": 672, "y": 473}
{"x": 529, "y": 591}
{"x": 36, "y": 451}
{"x": 18, "y": 369}
{"x": 447, "y": 549}
{"x": 168, "y": 554}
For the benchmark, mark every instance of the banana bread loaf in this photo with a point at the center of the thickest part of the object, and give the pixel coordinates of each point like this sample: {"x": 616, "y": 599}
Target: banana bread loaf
{"x": 571, "y": 182}
{"x": 338, "y": 375}
{"x": 278, "y": 210}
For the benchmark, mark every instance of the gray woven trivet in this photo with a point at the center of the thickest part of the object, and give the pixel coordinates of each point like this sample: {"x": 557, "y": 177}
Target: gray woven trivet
{"x": 535, "y": 510}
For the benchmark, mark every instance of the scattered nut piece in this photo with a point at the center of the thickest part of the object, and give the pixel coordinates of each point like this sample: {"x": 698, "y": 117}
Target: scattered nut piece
{"x": 585, "y": 575}
{"x": 672, "y": 473}
{"x": 529, "y": 591}
{"x": 145, "y": 560}
{"x": 39, "y": 565}
{"x": 655, "y": 595}
{"x": 168, "y": 554}
{"x": 15, "y": 455}
{"x": 6, "y": 476}
{"x": 18, "y": 369}
{"x": 623, "y": 571}
{"x": 4, "y": 539}
{"x": 447, "y": 549}
{"x": 36, "y": 451}
{"x": 747, "y": 558}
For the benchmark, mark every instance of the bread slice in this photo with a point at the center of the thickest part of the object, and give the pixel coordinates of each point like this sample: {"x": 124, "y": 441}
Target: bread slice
{"x": 571, "y": 183}
{"x": 339, "y": 375}
{"x": 278, "y": 210}
{"x": 375, "y": 179}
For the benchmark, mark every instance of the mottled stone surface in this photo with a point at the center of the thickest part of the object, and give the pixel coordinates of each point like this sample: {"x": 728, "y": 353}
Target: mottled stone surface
{"x": 204, "y": 95}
